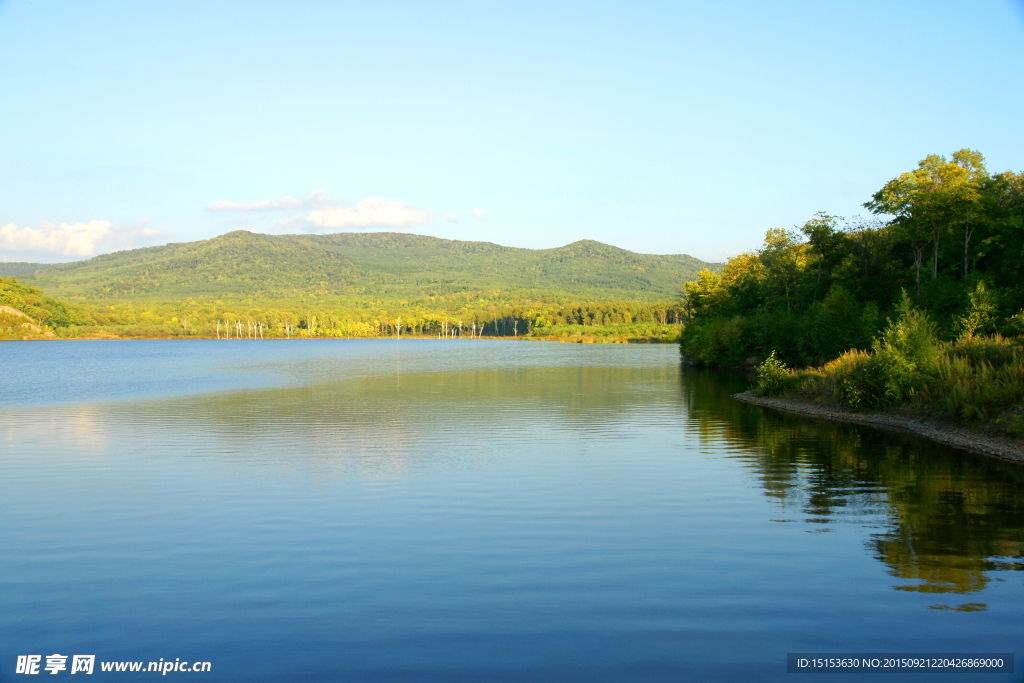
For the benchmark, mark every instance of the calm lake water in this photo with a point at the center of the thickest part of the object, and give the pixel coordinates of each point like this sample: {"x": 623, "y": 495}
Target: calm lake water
{"x": 475, "y": 511}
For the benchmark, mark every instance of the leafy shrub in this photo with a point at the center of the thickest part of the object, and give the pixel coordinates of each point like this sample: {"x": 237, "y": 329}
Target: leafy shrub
{"x": 981, "y": 314}
{"x": 1015, "y": 326}
{"x": 902, "y": 358}
{"x": 772, "y": 376}
{"x": 911, "y": 339}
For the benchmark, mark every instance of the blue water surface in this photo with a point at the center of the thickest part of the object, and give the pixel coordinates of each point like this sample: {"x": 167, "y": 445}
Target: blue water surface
{"x": 330, "y": 510}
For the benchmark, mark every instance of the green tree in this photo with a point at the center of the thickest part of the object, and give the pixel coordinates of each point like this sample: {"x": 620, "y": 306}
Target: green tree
{"x": 780, "y": 258}
{"x": 827, "y": 242}
{"x": 965, "y": 187}
{"x": 904, "y": 198}
{"x": 704, "y": 294}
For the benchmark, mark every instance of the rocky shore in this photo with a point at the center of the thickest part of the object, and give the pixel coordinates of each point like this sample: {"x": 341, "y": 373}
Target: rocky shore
{"x": 951, "y": 435}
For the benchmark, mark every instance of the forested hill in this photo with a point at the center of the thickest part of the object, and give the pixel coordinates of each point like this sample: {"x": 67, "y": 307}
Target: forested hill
{"x": 245, "y": 266}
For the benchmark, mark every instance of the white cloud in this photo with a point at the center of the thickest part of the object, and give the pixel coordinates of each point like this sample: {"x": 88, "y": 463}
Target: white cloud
{"x": 326, "y": 211}
{"x": 68, "y": 239}
{"x": 452, "y": 218}
{"x": 317, "y": 199}
{"x": 372, "y": 212}
{"x": 75, "y": 239}
{"x": 478, "y": 212}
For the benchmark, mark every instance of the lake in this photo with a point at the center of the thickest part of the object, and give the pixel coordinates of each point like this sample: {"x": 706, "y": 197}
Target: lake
{"x": 333, "y": 510}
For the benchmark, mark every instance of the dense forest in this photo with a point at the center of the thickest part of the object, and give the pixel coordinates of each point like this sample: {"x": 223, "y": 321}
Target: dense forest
{"x": 949, "y": 233}
{"x": 919, "y": 308}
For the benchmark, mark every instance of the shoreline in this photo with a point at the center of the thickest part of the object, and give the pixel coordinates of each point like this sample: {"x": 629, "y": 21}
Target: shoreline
{"x": 965, "y": 438}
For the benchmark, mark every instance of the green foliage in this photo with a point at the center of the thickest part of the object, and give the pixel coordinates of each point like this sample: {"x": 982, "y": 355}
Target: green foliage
{"x": 911, "y": 338}
{"x": 903, "y": 358}
{"x": 1016, "y": 325}
{"x": 981, "y": 314}
{"x": 640, "y": 331}
{"x": 44, "y": 311}
{"x": 703, "y": 295}
{"x": 718, "y": 341}
{"x": 827, "y": 329}
{"x": 973, "y": 380}
{"x": 772, "y": 376}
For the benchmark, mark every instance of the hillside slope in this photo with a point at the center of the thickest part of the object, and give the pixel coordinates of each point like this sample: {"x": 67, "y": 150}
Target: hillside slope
{"x": 18, "y": 299}
{"x": 244, "y": 266}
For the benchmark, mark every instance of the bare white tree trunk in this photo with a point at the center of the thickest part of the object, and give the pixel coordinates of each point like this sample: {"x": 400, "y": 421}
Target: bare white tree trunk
{"x": 399, "y": 327}
{"x": 218, "y": 329}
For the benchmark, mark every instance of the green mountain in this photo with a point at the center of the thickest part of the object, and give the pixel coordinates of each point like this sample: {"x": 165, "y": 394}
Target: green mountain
{"x": 246, "y": 267}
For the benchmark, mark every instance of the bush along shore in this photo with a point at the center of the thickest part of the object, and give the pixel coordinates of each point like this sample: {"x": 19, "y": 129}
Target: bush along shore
{"x": 968, "y": 392}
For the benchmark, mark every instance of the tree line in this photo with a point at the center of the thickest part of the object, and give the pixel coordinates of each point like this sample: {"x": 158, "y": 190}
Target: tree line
{"x": 461, "y": 317}
{"x": 948, "y": 232}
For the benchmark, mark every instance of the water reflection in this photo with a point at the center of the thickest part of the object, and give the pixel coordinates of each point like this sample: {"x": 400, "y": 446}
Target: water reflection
{"x": 951, "y": 519}
{"x": 380, "y": 425}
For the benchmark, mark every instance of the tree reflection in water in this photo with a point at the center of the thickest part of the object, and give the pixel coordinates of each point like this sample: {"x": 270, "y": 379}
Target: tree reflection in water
{"x": 952, "y": 519}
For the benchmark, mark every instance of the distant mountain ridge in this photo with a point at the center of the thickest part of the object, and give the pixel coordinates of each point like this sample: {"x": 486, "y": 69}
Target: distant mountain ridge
{"x": 20, "y": 268}
{"x": 249, "y": 266}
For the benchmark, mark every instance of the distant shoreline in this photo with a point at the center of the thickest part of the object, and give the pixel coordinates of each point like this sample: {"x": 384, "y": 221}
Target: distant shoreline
{"x": 965, "y": 438}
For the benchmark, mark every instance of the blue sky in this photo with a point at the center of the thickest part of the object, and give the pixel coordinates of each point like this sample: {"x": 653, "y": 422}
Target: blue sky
{"x": 657, "y": 127}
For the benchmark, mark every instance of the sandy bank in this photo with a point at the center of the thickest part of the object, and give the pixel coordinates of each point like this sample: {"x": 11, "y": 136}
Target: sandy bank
{"x": 959, "y": 437}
